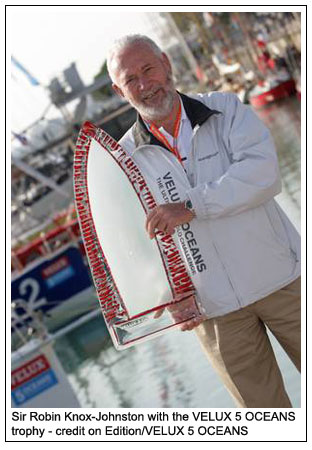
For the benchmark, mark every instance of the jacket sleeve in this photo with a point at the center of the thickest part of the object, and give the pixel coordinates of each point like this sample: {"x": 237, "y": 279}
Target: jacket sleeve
{"x": 253, "y": 175}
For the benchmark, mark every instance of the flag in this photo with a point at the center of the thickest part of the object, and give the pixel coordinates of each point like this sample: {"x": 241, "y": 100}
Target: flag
{"x": 209, "y": 20}
{"x": 30, "y": 77}
{"x": 21, "y": 138}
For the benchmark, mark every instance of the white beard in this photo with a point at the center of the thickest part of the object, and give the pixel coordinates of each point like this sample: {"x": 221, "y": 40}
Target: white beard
{"x": 156, "y": 112}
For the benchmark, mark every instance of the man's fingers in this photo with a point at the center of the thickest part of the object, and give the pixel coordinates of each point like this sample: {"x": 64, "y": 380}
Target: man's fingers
{"x": 151, "y": 222}
{"x": 150, "y": 217}
{"x": 185, "y": 309}
{"x": 158, "y": 221}
{"x": 170, "y": 230}
{"x": 166, "y": 217}
{"x": 191, "y": 324}
{"x": 159, "y": 313}
{"x": 155, "y": 222}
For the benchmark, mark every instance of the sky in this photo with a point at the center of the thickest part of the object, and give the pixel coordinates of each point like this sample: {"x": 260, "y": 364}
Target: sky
{"x": 46, "y": 40}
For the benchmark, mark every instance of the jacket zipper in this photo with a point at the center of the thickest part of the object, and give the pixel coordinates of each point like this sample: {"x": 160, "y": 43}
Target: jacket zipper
{"x": 192, "y": 159}
{"x": 238, "y": 298}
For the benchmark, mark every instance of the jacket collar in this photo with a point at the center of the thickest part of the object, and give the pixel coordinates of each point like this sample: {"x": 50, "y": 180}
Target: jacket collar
{"x": 195, "y": 110}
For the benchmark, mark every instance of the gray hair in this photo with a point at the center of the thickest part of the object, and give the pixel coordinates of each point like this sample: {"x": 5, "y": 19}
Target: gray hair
{"x": 126, "y": 41}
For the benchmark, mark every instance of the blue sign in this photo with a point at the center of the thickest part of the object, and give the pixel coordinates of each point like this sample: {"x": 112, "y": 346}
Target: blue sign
{"x": 52, "y": 281}
{"x": 34, "y": 387}
{"x": 60, "y": 277}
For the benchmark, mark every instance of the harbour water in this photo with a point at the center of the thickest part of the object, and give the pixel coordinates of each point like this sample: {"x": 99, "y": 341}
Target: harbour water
{"x": 171, "y": 371}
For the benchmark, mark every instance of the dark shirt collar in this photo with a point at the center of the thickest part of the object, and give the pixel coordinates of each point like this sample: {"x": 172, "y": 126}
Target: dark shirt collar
{"x": 195, "y": 110}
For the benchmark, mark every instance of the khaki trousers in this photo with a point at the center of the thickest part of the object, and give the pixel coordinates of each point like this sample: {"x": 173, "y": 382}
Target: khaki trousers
{"x": 239, "y": 348}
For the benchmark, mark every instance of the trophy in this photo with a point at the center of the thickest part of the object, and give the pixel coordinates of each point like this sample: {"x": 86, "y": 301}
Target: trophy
{"x": 144, "y": 285}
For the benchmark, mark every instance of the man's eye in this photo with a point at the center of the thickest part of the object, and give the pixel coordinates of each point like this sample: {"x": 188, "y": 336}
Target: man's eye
{"x": 129, "y": 80}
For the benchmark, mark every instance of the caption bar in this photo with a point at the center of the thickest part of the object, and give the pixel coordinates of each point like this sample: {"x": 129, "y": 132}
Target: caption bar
{"x": 176, "y": 425}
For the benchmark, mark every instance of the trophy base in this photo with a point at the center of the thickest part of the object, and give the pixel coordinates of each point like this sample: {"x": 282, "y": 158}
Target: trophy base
{"x": 145, "y": 326}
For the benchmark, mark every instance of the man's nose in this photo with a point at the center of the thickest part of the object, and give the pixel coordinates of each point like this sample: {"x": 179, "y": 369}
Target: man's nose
{"x": 143, "y": 83}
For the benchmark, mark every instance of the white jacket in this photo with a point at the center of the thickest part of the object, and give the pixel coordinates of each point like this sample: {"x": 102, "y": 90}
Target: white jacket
{"x": 241, "y": 246}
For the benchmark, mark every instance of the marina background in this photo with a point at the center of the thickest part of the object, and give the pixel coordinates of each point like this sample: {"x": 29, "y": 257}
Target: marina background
{"x": 210, "y": 51}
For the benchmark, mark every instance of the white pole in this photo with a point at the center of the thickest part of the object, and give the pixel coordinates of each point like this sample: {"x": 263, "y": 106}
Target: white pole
{"x": 38, "y": 176}
{"x": 187, "y": 52}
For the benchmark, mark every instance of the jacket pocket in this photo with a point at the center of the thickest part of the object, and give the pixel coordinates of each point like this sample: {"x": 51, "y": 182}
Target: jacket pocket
{"x": 277, "y": 227}
{"x": 257, "y": 255}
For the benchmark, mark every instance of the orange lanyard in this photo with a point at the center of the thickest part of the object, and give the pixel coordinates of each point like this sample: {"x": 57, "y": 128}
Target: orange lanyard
{"x": 158, "y": 134}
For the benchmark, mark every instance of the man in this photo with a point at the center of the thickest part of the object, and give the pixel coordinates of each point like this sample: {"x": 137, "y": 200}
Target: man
{"x": 253, "y": 278}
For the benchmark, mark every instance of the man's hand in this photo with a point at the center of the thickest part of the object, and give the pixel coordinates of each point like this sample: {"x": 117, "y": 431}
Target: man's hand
{"x": 166, "y": 217}
{"x": 182, "y": 310}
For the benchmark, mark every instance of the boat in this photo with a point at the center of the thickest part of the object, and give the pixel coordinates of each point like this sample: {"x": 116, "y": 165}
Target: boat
{"x": 264, "y": 94}
{"x": 298, "y": 88}
{"x": 50, "y": 277}
{"x": 50, "y": 273}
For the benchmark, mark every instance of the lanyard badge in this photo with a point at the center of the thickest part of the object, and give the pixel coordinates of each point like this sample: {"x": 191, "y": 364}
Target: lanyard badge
{"x": 158, "y": 134}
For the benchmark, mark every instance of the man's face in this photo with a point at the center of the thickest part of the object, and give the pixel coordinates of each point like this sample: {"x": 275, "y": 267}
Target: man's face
{"x": 144, "y": 79}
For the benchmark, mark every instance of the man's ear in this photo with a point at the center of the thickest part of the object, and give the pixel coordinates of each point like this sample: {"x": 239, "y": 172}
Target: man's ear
{"x": 117, "y": 90}
{"x": 167, "y": 62}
